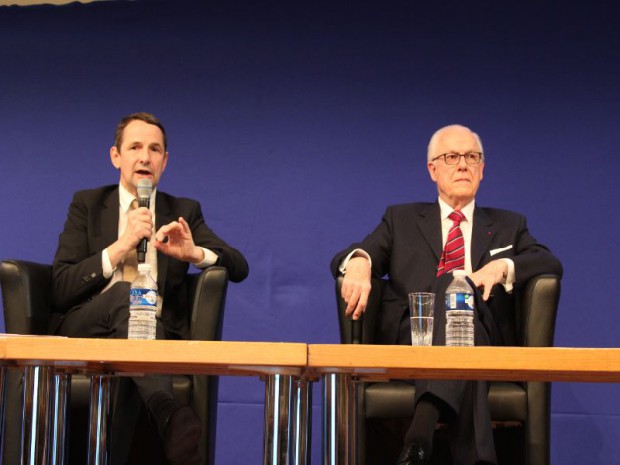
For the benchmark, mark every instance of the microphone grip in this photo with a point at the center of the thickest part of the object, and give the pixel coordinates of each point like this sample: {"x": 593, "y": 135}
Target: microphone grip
{"x": 141, "y": 250}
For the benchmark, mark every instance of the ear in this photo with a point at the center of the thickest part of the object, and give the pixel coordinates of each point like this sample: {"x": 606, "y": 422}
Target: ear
{"x": 165, "y": 163}
{"x": 115, "y": 157}
{"x": 432, "y": 170}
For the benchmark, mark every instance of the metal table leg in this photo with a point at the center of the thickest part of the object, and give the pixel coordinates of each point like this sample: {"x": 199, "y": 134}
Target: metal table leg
{"x": 287, "y": 420}
{"x": 98, "y": 453}
{"x": 277, "y": 414}
{"x": 339, "y": 420}
{"x": 302, "y": 422}
{"x": 36, "y": 415}
{"x": 61, "y": 387}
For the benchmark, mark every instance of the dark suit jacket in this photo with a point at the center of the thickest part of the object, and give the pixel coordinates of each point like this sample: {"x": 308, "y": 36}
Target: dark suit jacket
{"x": 92, "y": 225}
{"x": 407, "y": 246}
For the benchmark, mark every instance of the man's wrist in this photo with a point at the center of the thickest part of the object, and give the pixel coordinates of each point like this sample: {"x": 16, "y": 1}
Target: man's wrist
{"x": 208, "y": 258}
{"x": 197, "y": 256}
{"x": 354, "y": 254}
{"x": 106, "y": 264}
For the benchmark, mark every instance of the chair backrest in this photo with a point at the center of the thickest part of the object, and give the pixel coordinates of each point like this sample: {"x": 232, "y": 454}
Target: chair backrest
{"x": 535, "y": 313}
{"x": 26, "y": 296}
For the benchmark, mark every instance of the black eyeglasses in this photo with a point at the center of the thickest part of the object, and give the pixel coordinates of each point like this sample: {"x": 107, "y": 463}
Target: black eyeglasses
{"x": 471, "y": 158}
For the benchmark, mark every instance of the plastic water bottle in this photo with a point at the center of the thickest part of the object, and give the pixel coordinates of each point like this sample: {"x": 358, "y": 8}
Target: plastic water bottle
{"x": 459, "y": 311}
{"x": 143, "y": 304}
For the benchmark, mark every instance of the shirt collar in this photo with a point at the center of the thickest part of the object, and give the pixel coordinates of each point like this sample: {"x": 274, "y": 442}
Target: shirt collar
{"x": 125, "y": 198}
{"x": 467, "y": 210}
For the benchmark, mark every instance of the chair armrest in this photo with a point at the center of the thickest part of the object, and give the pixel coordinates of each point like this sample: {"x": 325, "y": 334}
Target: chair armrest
{"x": 208, "y": 298}
{"x": 539, "y": 303}
{"x": 361, "y": 331}
{"x": 26, "y": 296}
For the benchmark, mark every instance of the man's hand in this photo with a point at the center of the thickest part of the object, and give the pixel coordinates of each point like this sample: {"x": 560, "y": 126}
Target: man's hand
{"x": 175, "y": 239}
{"x": 489, "y": 275}
{"x": 139, "y": 226}
{"x": 356, "y": 286}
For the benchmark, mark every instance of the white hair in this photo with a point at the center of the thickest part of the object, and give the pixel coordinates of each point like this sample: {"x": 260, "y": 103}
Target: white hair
{"x": 435, "y": 136}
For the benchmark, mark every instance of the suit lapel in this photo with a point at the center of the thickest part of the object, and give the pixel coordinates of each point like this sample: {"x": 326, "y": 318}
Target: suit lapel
{"x": 482, "y": 235}
{"x": 163, "y": 215}
{"x": 109, "y": 220}
{"x": 430, "y": 220}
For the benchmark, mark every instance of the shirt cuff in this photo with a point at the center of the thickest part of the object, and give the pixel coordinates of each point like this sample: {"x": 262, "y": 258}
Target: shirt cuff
{"x": 359, "y": 253}
{"x": 510, "y": 275}
{"x": 211, "y": 258}
{"x": 106, "y": 264}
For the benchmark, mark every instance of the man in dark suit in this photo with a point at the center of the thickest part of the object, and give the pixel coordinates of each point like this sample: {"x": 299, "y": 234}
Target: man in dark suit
{"x": 499, "y": 256}
{"x": 91, "y": 266}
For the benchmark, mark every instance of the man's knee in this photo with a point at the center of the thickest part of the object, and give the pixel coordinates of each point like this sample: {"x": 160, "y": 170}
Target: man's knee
{"x": 105, "y": 315}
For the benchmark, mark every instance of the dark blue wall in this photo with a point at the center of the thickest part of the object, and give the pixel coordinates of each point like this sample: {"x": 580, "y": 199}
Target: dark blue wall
{"x": 295, "y": 124}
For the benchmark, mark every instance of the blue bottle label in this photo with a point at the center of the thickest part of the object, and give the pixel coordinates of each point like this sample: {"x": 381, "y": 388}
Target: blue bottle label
{"x": 142, "y": 297}
{"x": 459, "y": 301}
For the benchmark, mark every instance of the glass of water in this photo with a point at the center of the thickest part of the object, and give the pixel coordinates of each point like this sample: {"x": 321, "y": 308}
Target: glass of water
{"x": 421, "y": 305}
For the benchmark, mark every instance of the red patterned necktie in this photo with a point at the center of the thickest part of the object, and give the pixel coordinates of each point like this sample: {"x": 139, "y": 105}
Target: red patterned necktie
{"x": 453, "y": 256}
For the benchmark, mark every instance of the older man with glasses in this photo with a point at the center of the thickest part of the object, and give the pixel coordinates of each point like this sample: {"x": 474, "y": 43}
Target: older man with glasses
{"x": 410, "y": 246}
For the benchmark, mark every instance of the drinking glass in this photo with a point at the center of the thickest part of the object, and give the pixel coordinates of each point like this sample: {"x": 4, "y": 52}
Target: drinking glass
{"x": 421, "y": 305}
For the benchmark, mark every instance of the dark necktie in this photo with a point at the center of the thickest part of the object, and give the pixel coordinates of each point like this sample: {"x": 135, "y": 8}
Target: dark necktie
{"x": 130, "y": 263}
{"x": 453, "y": 256}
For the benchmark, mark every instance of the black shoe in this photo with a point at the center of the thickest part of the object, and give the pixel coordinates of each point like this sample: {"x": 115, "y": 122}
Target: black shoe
{"x": 415, "y": 454}
{"x": 181, "y": 437}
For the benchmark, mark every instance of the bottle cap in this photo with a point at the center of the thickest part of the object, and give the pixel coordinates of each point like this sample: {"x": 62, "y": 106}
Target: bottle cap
{"x": 144, "y": 267}
{"x": 459, "y": 273}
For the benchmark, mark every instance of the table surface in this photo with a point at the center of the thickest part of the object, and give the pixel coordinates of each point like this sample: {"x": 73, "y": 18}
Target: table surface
{"x": 375, "y": 362}
{"x": 369, "y": 362}
{"x": 135, "y": 356}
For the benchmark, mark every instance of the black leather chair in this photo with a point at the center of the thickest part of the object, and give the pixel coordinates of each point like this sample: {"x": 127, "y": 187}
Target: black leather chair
{"x": 26, "y": 296}
{"x": 521, "y": 407}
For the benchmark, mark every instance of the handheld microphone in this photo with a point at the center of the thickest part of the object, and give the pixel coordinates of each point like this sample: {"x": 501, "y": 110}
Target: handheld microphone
{"x": 145, "y": 187}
